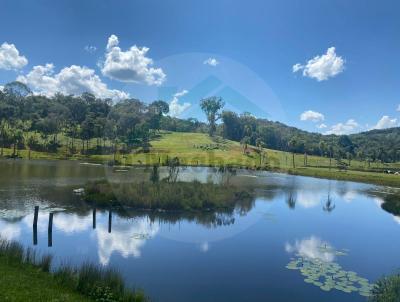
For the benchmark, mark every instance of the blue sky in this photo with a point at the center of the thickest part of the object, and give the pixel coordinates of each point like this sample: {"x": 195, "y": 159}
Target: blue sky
{"x": 348, "y": 75}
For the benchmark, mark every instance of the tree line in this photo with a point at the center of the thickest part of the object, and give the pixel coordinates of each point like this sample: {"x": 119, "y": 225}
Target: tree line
{"x": 370, "y": 146}
{"x": 35, "y": 122}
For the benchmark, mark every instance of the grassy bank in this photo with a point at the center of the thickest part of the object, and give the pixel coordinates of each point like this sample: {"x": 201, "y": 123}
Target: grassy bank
{"x": 194, "y": 149}
{"x": 350, "y": 175}
{"x": 23, "y": 282}
{"x": 387, "y": 289}
{"x": 26, "y": 276}
{"x": 188, "y": 196}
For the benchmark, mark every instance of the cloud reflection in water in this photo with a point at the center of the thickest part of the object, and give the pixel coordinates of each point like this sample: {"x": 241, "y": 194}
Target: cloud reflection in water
{"x": 311, "y": 248}
{"x": 127, "y": 238}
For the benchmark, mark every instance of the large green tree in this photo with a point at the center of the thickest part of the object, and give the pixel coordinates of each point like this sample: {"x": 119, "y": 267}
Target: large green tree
{"x": 211, "y": 107}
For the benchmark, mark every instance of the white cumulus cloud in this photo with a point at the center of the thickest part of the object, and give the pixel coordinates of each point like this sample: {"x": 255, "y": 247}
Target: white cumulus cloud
{"x": 132, "y": 66}
{"x": 112, "y": 42}
{"x": 297, "y": 67}
{"x": 175, "y": 108}
{"x": 386, "y": 122}
{"x": 322, "y": 67}
{"x": 10, "y": 59}
{"x": 211, "y": 61}
{"x": 344, "y": 128}
{"x": 398, "y": 108}
{"x": 70, "y": 80}
{"x": 322, "y": 126}
{"x": 313, "y": 116}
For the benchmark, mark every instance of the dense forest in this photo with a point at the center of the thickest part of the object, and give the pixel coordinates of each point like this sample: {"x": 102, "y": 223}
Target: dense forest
{"x": 34, "y": 122}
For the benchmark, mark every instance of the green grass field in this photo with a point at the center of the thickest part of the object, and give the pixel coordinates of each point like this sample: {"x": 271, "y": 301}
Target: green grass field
{"x": 23, "y": 282}
{"x": 200, "y": 149}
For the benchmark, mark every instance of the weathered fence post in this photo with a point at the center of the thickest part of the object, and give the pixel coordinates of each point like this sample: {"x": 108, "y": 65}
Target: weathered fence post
{"x": 94, "y": 219}
{"x": 35, "y": 220}
{"x": 50, "y": 231}
{"x": 109, "y": 221}
{"x": 35, "y": 216}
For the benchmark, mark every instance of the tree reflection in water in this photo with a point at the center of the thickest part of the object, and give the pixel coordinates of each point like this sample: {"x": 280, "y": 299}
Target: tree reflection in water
{"x": 329, "y": 206}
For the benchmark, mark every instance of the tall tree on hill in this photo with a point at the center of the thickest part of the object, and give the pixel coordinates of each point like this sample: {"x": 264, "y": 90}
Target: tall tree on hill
{"x": 260, "y": 144}
{"x": 232, "y": 126}
{"x": 8, "y": 112}
{"x": 322, "y": 147}
{"x": 292, "y": 147}
{"x": 244, "y": 142}
{"x": 17, "y": 90}
{"x": 349, "y": 157}
{"x": 331, "y": 152}
{"x": 211, "y": 107}
{"x": 346, "y": 144}
{"x": 304, "y": 147}
{"x": 156, "y": 110}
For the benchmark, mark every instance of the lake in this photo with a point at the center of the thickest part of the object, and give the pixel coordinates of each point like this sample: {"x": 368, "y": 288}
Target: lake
{"x": 298, "y": 231}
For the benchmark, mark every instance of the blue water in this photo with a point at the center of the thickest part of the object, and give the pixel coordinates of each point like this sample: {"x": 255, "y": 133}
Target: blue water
{"x": 227, "y": 257}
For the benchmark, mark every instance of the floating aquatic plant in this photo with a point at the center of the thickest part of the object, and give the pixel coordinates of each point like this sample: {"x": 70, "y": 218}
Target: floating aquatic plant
{"x": 140, "y": 236}
{"x": 330, "y": 275}
{"x": 329, "y": 249}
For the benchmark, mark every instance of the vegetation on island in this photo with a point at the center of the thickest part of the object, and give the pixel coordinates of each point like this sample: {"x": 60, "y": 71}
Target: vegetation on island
{"x": 131, "y": 132}
{"x": 170, "y": 193}
{"x": 27, "y": 276}
{"x": 189, "y": 196}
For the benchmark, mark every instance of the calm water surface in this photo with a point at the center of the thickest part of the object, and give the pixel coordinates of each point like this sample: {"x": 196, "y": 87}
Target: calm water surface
{"x": 239, "y": 256}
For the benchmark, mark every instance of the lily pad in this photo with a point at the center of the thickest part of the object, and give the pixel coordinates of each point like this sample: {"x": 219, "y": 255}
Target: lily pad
{"x": 330, "y": 275}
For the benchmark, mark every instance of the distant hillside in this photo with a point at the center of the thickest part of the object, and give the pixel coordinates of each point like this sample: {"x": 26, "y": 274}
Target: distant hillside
{"x": 379, "y": 144}
{"x": 35, "y": 122}
{"x": 374, "y": 145}
{"x": 382, "y": 145}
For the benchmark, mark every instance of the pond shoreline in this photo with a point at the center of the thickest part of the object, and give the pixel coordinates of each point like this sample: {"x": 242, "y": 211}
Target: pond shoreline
{"x": 260, "y": 239}
{"x": 374, "y": 178}
{"x": 87, "y": 282}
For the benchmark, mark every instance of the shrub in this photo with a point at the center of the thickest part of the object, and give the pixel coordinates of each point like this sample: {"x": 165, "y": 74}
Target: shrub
{"x": 168, "y": 196}
{"x": 15, "y": 252}
{"x": 387, "y": 289}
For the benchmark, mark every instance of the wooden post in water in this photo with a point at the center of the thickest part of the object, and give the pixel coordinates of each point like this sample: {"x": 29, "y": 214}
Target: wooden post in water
{"x": 109, "y": 221}
{"x": 35, "y": 216}
{"x": 94, "y": 219}
{"x": 35, "y": 220}
{"x": 34, "y": 235}
{"x": 50, "y": 231}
